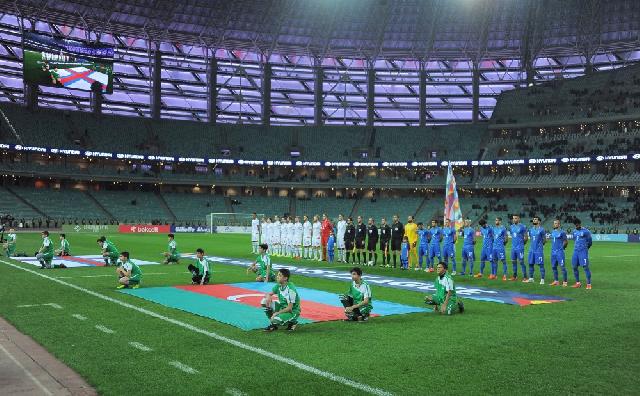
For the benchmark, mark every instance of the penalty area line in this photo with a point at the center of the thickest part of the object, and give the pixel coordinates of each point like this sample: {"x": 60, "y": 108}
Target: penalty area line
{"x": 259, "y": 351}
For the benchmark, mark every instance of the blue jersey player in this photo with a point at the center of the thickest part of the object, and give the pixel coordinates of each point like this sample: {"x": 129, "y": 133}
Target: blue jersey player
{"x": 449, "y": 238}
{"x": 537, "y": 235}
{"x": 404, "y": 253}
{"x": 519, "y": 238}
{"x": 498, "y": 252}
{"x": 582, "y": 243}
{"x": 331, "y": 243}
{"x": 558, "y": 245}
{"x": 435, "y": 237}
{"x": 423, "y": 244}
{"x": 487, "y": 245}
{"x": 468, "y": 250}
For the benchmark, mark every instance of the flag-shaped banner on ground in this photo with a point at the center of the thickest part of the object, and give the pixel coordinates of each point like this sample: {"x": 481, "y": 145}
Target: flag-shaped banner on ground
{"x": 451, "y": 203}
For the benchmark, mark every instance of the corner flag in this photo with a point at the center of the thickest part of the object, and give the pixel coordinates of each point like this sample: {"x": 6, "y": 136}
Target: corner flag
{"x": 451, "y": 204}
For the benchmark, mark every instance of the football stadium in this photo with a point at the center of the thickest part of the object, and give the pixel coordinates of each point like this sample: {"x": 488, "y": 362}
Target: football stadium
{"x": 319, "y": 197}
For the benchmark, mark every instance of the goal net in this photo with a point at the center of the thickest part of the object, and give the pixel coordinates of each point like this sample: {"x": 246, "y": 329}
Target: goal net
{"x": 215, "y": 220}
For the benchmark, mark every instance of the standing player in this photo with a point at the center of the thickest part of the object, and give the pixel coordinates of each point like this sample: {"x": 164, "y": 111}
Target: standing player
{"x": 423, "y": 245}
{"x": 331, "y": 244}
{"x": 536, "y": 250}
{"x": 45, "y": 253}
{"x": 487, "y": 246}
{"x": 361, "y": 235}
{"x": 316, "y": 238}
{"x": 341, "y": 227}
{"x": 357, "y": 301}
{"x": 172, "y": 255}
{"x": 10, "y": 244}
{"x": 558, "y": 245}
{"x": 276, "y": 234}
{"x": 266, "y": 232}
{"x": 289, "y": 237}
{"x": 411, "y": 232}
{"x": 372, "y": 242}
{"x": 580, "y": 258}
{"x": 110, "y": 252}
{"x": 307, "y": 230}
{"x": 468, "y": 247}
{"x": 385, "y": 237}
{"x": 255, "y": 233}
{"x": 498, "y": 252}
{"x": 263, "y": 230}
{"x": 397, "y": 232}
{"x": 129, "y": 274}
{"x": 519, "y": 237}
{"x": 325, "y": 229}
{"x": 65, "y": 249}
{"x": 201, "y": 272}
{"x": 286, "y": 310}
{"x": 297, "y": 238}
{"x": 349, "y": 238}
{"x": 435, "y": 237}
{"x": 284, "y": 235}
{"x": 449, "y": 238}
{"x": 405, "y": 249}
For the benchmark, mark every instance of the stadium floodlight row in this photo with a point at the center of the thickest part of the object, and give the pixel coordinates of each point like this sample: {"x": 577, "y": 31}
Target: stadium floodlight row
{"x": 356, "y": 164}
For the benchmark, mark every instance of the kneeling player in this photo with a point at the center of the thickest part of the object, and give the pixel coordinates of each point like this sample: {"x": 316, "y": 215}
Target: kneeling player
{"x": 172, "y": 255}
{"x": 445, "y": 298}
{"x": 262, "y": 265}
{"x": 10, "y": 244}
{"x": 45, "y": 253}
{"x": 129, "y": 273}
{"x": 200, "y": 272}
{"x": 286, "y": 309}
{"x": 64, "y": 246}
{"x": 110, "y": 252}
{"x": 357, "y": 301}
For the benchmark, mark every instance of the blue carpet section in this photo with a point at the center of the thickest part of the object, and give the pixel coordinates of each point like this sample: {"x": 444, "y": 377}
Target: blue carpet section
{"x": 229, "y": 312}
{"x": 379, "y": 307}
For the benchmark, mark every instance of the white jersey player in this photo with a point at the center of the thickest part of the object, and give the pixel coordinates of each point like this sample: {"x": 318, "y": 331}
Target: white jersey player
{"x": 341, "y": 230}
{"x": 316, "y": 238}
{"x": 277, "y": 236}
{"x": 297, "y": 237}
{"x": 286, "y": 240}
{"x": 307, "y": 230}
{"x": 266, "y": 232}
{"x": 263, "y": 230}
{"x": 291, "y": 237}
{"x": 255, "y": 233}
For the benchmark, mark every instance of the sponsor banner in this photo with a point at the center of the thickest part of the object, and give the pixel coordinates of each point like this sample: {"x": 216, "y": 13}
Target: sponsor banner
{"x": 634, "y": 238}
{"x": 143, "y": 229}
{"x": 190, "y": 229}
{"x": 89, "y": 228}
{"x": 232, "y": 229}
{"x": 426, "y": 287}
{"x": 610, "y": 237}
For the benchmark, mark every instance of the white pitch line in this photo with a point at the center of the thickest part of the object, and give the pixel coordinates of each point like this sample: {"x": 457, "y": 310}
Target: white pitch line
{"x": 79, "y": 317}
{"x": 27, "y": 372}
{"x": 104, "y": 329}
{"x": 622, "y": 255}
{"x": 263, "y": 352}
{"x": 183, "y": 367}
{"x": 54, "y": 305}
{"x": 234, "y": 392}
{"x": 140, "y": 346}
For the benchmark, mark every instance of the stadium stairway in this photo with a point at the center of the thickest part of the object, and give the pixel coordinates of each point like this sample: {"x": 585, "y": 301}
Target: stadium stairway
{"x": 24, "y": 201}
{"x": 166, "y": 207}
{"x": 99, "y": 205}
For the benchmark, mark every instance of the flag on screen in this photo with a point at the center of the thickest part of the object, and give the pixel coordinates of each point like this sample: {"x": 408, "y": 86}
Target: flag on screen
{"x": 451, "y": 204}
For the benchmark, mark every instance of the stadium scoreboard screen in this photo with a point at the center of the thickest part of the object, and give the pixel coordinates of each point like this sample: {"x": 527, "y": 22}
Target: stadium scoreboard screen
{"x": 58, "y": 62}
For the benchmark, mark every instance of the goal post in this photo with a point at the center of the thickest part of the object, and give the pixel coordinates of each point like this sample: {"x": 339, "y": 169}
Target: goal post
{"x": 215, "y": 220}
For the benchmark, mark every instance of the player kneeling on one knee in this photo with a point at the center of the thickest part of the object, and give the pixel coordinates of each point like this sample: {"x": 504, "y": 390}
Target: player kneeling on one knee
{"x": 445, "y": 299}
{"x": 262, "y": 265}
{"x": 129, "y": 274}
{"x": 282, "y": 303}
{"x": 357, "y": 301}
{"x": 200, "y": 273}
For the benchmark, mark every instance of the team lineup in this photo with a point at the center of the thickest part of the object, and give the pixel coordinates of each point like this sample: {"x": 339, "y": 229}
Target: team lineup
{"x": 431, "y": 248}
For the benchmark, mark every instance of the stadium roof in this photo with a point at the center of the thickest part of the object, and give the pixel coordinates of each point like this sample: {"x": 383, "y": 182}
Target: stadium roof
{"x": 444, "y": 37}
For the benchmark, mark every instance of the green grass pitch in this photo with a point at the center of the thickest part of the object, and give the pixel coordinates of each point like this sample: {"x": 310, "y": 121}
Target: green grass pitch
{"x": 588, "y": 345}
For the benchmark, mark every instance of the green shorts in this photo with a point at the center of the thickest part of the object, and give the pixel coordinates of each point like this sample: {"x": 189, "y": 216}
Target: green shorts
{"x": 135, "y": 279}
{"x": 285, "y": 318}
{"x": 173, "y": 258}
{"x": 11, "y": 251}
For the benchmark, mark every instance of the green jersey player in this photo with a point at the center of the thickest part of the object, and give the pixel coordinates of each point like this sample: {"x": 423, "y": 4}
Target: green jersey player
{"x": 285, "y": 309}
{"x": 262, "y": 265}
{"x": 45, "y": 253}
{"x": 445, "y": 299}
{"x": 200, "y": 272}
{"x": 64, "y": 246}
{"x": 357, "y": 302}
{"x": 129, "y": 274}
{"x": 110, "y": 252}
{"x": 10, "y": 244}
{"x": 172, "y": 255}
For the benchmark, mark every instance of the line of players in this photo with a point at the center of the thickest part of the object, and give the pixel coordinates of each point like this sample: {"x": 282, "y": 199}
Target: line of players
{"x": 417, "y": 245}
